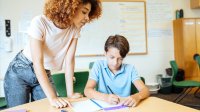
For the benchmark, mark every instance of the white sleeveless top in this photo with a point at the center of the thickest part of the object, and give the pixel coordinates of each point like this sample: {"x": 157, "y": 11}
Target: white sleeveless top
{"x": 56, "y": 41}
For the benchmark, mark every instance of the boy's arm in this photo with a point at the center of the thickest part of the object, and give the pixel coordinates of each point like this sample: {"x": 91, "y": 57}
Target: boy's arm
{"x": 134, "y": 99}
{"x": 90, "y": 91}
{"x": 143, "y": 90}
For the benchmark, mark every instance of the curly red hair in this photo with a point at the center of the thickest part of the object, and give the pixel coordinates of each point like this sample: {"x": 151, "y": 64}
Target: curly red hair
{"x": 61, "y": 12}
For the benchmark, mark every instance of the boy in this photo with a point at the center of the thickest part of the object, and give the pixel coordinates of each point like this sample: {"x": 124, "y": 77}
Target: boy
{"x": 114, "y": 78}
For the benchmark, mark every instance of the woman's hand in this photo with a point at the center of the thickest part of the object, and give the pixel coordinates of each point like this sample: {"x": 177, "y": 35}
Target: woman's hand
{"x": 60, "y": 102}
{"x": 76, "y": 95}
{"x": 112, "y": 99}
{"x": 131, "y": 101}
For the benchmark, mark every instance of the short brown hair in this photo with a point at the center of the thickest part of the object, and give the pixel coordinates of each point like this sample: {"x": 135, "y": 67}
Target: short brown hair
{"x": 119, "y": 42}
{"x": 62, "y": 12}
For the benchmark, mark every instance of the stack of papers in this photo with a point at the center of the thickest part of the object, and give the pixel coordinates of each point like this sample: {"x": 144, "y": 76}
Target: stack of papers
{"x": 92, "y": 105}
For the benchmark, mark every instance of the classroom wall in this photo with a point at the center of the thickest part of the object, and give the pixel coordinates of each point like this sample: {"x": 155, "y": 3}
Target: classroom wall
{"x": 17, "y": 11}
{"x": 160, "y": 49}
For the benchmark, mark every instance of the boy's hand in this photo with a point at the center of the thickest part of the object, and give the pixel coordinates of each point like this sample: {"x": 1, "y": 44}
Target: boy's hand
{"x": 131, "y": 101}
{"x": 59, "y": 102}
{"x": 112, "y": 99}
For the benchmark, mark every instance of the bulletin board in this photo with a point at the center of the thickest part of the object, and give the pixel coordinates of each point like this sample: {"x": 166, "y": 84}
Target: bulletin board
{"x": 127, "y": 18}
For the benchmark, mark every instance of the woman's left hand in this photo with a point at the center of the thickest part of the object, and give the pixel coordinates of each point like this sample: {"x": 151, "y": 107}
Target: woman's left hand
{"x": 131, "y": 101}
{"x": 76, "y": 95}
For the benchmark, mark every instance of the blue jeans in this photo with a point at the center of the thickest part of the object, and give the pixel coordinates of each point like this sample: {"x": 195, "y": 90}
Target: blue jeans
{"x": 20, "y": 82}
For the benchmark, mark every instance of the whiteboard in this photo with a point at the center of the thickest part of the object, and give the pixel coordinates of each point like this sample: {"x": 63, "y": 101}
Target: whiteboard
{"x": 124, "y": 18}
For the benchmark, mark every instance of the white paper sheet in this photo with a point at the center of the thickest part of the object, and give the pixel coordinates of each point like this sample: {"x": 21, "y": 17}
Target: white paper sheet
{"x": 89, "y": 106}
{"x": 85, "y": 106}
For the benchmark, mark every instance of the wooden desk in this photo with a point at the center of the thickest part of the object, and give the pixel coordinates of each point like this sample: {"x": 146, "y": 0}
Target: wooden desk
{"x": 152, "y": 104}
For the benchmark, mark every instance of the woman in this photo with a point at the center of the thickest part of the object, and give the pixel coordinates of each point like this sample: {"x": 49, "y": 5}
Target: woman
{"x": 53, "y": 40}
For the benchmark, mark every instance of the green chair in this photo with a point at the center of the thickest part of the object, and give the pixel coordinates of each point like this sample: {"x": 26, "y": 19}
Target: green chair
{"x": 3, "y": 103}
{"x": 197, "y": 59}
{"x": 79, "y": 85}
{"x": 81, "y": 81}
{"x": 134, "y": 89}
{"x": 186, "y": 84}
{"x": 59, "y": 83}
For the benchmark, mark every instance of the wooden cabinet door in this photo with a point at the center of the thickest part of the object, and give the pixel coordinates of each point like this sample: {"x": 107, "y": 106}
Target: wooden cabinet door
{"x": 194, "y": 4}
{"x": 198, "y": 35}
{"x": 189, "y": 47}
{"x": 198, "y": 45}
{"x": 178, "y": 42}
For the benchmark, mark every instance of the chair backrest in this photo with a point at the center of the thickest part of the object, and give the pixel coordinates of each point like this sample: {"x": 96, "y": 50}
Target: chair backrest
{"x": 59, "y": 83}
{"x": 3, "y": 103}
{"x": 197, "y": 59}
{"x": 79, "y": 85}
{"x": 81, "y": 81}
{"x": 174, "y": 70}
{"x": 134, "y": 89}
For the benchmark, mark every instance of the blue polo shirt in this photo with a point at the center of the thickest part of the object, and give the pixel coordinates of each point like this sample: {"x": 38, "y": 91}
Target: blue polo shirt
{"x": 120, "y": 83}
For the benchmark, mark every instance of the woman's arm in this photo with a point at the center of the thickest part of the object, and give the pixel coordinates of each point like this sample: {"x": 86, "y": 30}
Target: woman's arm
{"x": 90, "y": 92}
{"x": 69, "y": 69}
{"x": 37, "y": 57}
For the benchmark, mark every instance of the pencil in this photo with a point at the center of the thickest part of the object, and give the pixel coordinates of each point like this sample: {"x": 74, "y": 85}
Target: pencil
{"x": 110, "y": 89}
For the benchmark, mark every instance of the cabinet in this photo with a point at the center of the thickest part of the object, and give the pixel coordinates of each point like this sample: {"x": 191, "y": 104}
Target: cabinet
{"x": 186, "y": 44}
{"x": 194, "y": 4}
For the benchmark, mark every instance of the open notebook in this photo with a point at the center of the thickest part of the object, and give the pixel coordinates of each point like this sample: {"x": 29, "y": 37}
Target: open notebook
{"x": 92, "y": 105}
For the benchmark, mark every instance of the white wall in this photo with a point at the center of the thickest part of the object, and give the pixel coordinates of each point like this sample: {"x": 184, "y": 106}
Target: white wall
{"x": 12, "y": 9}
{"x": 160, "y": 50}
{"x": 16, "y": 11}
